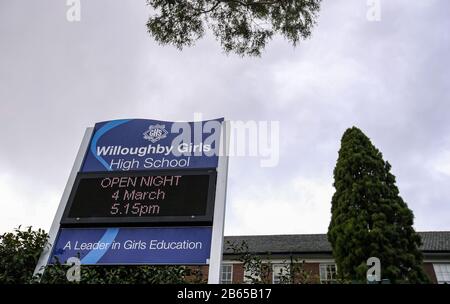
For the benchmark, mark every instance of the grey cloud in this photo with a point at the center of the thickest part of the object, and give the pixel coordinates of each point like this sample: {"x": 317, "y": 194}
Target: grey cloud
{"x": 390, "y": 78}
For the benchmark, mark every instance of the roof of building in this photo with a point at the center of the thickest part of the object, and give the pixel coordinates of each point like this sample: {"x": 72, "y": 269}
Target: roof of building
{"x": 433, "y": 241}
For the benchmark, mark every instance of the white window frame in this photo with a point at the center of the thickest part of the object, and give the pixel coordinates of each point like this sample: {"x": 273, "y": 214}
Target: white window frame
{"x": 247, "y": 280}
{"x": 278, "y": 270}
{"x": 442, "y": 272}
{"x": 230, "y": 273}
{"x": 323, "y": 268}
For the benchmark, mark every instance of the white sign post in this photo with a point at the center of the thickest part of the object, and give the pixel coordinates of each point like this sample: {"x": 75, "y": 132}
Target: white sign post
{"x": 215, "y": 261}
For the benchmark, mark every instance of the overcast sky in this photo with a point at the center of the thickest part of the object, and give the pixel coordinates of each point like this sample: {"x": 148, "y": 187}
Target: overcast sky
{"x": 390, "y": 78}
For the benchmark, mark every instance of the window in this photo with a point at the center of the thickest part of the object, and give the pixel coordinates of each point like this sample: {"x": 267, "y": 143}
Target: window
{"x": 279, "y": 273}
{"x": 442, "y": 273}
{"x": 227, "y": 274}
{"x": 327, "y": 273}
{"x": 248, "y": 277}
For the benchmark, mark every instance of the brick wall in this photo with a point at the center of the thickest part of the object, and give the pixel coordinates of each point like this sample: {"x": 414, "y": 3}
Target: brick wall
{"x": 429, "y": 270}
{"x": 313, "y": 268}
{"x": 238, "y": 273}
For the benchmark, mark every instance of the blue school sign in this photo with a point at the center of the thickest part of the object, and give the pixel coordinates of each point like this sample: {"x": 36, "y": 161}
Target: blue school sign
{"x": 106, "y": 246}
{"x": 173, "y": 152}
{"x": 141, "y": 144}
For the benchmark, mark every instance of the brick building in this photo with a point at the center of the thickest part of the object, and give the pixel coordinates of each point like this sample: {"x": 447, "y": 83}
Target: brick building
{"x": 315, "y": 251}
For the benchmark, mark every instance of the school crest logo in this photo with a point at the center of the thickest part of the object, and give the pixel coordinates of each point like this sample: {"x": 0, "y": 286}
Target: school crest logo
{"x": 155, "y": 133}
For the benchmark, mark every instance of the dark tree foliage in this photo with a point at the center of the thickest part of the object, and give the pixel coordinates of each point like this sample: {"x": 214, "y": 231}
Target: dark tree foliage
{"x": 259, "y": 269}
{"x": 130, "y": 274}
{"x": 241, "y": 26}
{"x": 369, "y": 218}
{"x": 19, "y": 254}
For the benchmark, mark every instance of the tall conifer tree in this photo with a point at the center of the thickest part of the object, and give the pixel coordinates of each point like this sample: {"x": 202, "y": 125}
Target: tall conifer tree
{"x": 369, "y": 218}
